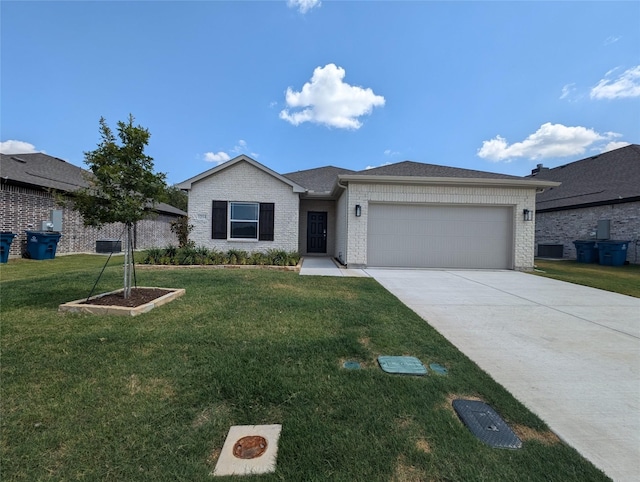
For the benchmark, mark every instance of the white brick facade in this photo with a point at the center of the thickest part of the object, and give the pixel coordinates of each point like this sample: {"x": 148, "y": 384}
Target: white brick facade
{"x": 352, "y": 235}
{"x": 244, "y": 182}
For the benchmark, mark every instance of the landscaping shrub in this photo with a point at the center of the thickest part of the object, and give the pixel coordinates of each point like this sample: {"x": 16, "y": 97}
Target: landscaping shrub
{"x": 190, "y": 255}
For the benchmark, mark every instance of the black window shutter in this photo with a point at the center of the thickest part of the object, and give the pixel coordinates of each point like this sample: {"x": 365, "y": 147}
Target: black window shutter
{"x": 219, "y": 220}
{"x": 266, "y": 222}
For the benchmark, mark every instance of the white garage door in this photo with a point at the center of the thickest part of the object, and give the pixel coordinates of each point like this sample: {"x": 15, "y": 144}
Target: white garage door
{"x": 437, "y": 236}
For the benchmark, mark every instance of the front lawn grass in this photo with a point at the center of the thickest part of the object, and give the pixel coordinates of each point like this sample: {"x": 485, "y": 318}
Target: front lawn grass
{"x": 619, "y": 279}
{"x": 152, "y": 397}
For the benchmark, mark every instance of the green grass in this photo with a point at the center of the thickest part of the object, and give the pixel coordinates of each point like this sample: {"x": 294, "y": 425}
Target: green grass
{"x": 152, "y": 397}
{"x": 619, "y": 279}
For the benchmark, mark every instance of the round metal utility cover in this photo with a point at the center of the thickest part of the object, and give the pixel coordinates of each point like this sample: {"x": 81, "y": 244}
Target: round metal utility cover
{"x": 250, "y": 447}
{"x": 351, "y": 365}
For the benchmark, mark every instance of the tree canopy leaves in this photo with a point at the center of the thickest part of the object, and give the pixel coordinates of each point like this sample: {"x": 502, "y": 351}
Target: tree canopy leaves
{"x": 122, "y": 184}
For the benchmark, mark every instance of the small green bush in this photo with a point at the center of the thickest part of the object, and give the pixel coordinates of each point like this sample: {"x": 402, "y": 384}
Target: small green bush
{"x": 190, "y": 255}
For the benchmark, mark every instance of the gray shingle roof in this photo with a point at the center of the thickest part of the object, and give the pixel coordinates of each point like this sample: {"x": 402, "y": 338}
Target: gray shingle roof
{"x": 41, "y": 170}
{"x": 610, "y": 177}
{"x": 44, "y": 171}
{"x": 321, "y": 179}
{"x": 418, "y": 169}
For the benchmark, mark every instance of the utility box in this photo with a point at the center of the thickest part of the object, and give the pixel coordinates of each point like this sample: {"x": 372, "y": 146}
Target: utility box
{"x": 56, "y": 220}
{"x": 604, "y": 229}
{"x": 108, "y": 246}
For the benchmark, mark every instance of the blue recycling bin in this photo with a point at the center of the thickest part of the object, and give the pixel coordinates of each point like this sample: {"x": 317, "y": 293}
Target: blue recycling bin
{"x": 42, "y": 244}
{"x": 586, "y": 251}
{"x": 612, "y": 253}
{"x": 5, "y": 243}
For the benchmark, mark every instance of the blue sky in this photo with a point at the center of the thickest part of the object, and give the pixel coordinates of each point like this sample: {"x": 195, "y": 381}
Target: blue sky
{"x": 494, "y": 86}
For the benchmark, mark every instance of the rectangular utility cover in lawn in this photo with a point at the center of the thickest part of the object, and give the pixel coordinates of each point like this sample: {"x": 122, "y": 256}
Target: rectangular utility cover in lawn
{"x": 486, "y": 424}
{"x": 404, "y": 365}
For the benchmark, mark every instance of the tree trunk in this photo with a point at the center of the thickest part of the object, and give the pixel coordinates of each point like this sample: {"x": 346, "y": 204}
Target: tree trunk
{"x": 128, "y": 262}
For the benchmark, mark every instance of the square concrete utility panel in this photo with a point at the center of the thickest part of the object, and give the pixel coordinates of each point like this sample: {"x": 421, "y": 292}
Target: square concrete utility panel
{"x": 249, "y": 449}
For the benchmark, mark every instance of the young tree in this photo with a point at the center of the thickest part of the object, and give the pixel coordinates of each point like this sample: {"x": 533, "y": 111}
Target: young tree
{"x": 122, "y": 184}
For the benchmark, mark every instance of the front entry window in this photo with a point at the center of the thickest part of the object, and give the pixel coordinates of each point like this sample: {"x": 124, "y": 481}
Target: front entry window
{"x": 244, "y": 220}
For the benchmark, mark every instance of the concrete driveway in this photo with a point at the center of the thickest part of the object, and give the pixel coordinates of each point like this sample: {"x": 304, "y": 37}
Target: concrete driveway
{"x": 570, "y": 353}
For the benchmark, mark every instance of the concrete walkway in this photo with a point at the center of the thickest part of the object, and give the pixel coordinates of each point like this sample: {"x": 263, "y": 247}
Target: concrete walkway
{"x": 570, "y": 353}
{"x": 324, "y": 266}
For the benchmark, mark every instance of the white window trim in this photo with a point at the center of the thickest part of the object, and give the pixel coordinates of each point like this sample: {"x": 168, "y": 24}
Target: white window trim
{"x": 230, "y": 220}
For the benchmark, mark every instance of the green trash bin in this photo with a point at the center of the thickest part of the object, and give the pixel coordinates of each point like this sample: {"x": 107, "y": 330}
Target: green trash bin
{"x": 5, "y": 243}
{"x": 586, "y": 251}
{"x": 612, "y": 253}
{"x": 42, "y": 244}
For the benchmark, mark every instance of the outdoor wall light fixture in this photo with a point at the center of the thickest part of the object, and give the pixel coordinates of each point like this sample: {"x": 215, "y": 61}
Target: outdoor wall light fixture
{"x": 527, "y": 215}
{"x": 358, "y": 210}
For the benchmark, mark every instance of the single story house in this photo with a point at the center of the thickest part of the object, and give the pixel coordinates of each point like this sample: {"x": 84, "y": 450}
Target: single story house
{"x": 28, "y": 183}
{"x": 599, "y": 198}
{"x": 407, "y": 214}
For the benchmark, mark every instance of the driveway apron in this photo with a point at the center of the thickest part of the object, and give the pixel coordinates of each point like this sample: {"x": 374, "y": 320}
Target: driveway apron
{"x": 570, "y": 353}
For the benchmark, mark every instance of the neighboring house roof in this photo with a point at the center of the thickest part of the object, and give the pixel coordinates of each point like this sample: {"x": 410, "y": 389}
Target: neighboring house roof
{"x": 609, "y": 178}
{"x": 39, "y": 170}
{"x": 319, "y": 180}
{"x": 242, "y": 158}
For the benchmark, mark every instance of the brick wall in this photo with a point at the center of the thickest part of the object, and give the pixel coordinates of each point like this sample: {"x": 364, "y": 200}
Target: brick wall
{"x": 518, "y": 198}
{"x": 24, "y": 209}
{"x": 564, "y": 227}
{"x": 244, "y": 182}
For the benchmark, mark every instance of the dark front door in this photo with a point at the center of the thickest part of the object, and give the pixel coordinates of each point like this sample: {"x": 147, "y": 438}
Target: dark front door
{"x": 316, "y": 232}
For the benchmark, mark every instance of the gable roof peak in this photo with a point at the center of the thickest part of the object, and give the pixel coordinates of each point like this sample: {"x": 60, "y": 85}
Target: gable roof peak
{"x": 231, "y": 162}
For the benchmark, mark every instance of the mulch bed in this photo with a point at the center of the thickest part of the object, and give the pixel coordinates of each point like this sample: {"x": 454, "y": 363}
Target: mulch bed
{"x": 139, "y": 296}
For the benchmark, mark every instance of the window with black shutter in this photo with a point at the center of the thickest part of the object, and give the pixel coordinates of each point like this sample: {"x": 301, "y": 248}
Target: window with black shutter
{"x": 266, "y": 221}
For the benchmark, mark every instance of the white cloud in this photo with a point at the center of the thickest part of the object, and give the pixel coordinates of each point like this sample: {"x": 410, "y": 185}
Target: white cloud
{"x": 240, "y": 147}
{"x": 614, "y": 145}
{"x": 304, "y": 6}
{"x": 626, "y": 85}
{"x": 16, "y": 147}
{"x": 373, "y": 167}
{"x": 550, "y": 140}
{"x": 612, "y": 39}
{"x": 567, "y": 90}
{"x": 327, "y": 100}
{"x": 217, "y": 157}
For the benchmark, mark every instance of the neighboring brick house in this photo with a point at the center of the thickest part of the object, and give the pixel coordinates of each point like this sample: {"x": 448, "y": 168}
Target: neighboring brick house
{"x": 602, "y": 189}
{"x": 27, "y": 187}
{"x": 401, "y": 215}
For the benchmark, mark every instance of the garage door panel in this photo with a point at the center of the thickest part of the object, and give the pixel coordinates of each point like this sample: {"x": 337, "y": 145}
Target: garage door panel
{"x": 437, "y": 236}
